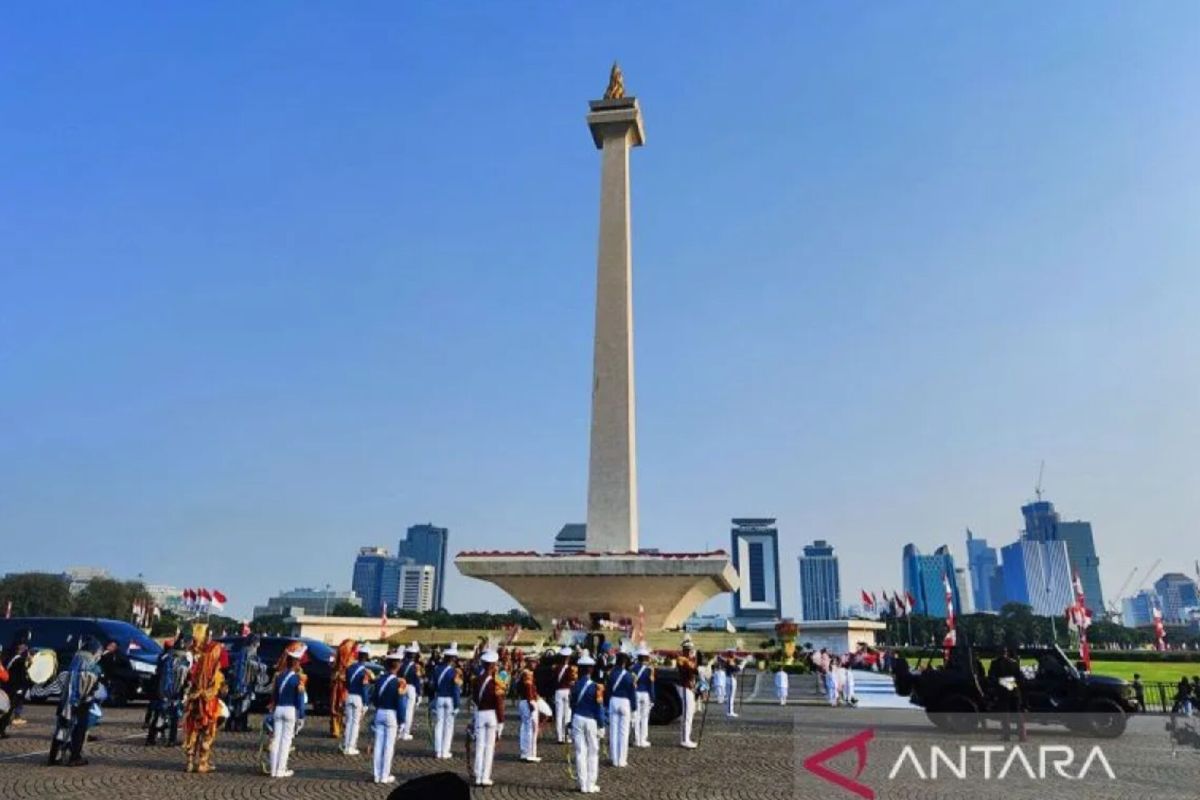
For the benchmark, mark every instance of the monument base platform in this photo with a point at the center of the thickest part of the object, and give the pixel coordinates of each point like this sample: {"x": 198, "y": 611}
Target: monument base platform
{"x": 585, "y": 586}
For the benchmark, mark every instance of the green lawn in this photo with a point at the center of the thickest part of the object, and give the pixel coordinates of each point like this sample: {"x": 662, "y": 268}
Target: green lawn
{"x": 1151, "y": 671}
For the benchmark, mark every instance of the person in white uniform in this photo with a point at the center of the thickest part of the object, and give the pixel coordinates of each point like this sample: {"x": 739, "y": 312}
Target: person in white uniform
{"x": 587, "y": 717}
{"x": 410, "y": 671}
{"x": 732, "y": 668}
{"x": 287, "y": 703}
{"x": 621, "y": 692}
{"x": 528, "y": 706}
{"x": 564, "y": 679}
{"x": 643, "y": 679}
{"x": 447, "y": 680}
{"x": 358, "y": 685}
{"x": 488, "y": 695}
{"x": 388, "y": 700}
{"x": 781, "y": 686}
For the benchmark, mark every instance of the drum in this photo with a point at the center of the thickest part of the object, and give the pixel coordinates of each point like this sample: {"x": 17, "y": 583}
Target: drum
{"x": 5, "y": 704}
{"x": 43, "y": 667}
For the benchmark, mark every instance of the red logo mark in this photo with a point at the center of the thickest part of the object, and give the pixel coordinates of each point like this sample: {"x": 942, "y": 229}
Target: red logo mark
{"x": 858, "y": 743}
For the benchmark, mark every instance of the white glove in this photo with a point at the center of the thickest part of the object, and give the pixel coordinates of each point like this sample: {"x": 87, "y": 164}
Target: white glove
{"x": 499, "y": 730}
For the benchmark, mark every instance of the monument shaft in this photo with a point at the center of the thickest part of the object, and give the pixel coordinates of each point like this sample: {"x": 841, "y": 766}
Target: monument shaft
{"x": 612, "y": 517}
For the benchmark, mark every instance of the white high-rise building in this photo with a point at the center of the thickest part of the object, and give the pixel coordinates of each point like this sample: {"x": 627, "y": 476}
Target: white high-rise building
{"x": 966, "y": 599}
{"x": 416, "y": 587}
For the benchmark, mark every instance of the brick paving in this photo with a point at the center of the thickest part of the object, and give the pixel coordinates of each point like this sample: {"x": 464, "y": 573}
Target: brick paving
{"x": 755, "y": 757}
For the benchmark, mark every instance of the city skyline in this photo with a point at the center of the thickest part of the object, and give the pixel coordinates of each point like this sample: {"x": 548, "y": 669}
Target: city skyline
{"x": 237, "y": 327}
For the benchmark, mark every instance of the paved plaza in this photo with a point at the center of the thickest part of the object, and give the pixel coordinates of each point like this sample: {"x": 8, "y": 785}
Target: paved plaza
{"x": 755, "y": 757}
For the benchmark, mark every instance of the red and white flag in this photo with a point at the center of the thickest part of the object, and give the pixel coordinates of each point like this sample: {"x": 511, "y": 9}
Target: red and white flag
{"x": 205, "y": 600}
{"x": 867, "y": 599}
{"x": 910, "y": 602}
{"x": 1080, "y": 617}
{"x": 1160, "y": 632}
{"x": 383, "y": 623}
{"x": 951, "y": 631}
{"x": 218, "y": 600}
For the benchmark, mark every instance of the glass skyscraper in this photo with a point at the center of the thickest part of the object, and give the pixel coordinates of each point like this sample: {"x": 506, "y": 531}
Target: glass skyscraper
{"x": 923, "y": 579}
{"x": 820, "y": 583}
{"x": 986, "y": 582}
{"x": 376, "y": 579}
{"x": 1177, "y": 592}
{"x": 426, "y": 544}
{"x": 1038, "y": 574}
{"x": 1042, "y": 524}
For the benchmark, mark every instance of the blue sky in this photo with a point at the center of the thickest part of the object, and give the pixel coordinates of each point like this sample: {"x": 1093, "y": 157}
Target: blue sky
{"x": 278, "y": 280}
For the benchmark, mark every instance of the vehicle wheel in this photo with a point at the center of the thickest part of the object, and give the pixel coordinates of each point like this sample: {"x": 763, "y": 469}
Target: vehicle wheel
{"x": 1105, "y": 718}
{"x": 955, "y": 713}
{"x": 666, "y": 709}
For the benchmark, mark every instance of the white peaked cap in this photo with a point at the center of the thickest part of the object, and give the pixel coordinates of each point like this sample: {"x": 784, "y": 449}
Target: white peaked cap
{"x": 395, "y": 655}
{"x": 413, "y": 648}
{"x": 489, "y": 657}
{"x": 643, "y": 651}
{"x": 452, "y": 650}
{"x": 586, "y": 660}
{"x": 564, "y": 651}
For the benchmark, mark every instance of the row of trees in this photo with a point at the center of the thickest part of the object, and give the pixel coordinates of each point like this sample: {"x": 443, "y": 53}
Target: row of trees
{"x": 38, "y": 594}
{"x": 1017, "y": 623}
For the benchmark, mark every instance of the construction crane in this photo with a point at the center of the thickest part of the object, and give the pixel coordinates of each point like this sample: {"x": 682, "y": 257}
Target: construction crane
{"x": 1112, "y": 604}
{"x": 1038, "y": 489}
{"x": 1146, "y": 577}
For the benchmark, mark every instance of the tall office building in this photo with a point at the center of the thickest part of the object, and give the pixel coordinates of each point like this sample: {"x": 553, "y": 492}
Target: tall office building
{"x": 820, "y": 583}
{"x": 1043, "y": 524}
{"x": 924, "y": 579}
{"x": 1038, "y": 574}
{"x": 962, "y": 581}
{"x": 416, "y": 586}
{"x": 426, "y": 544}
{"x": 1138, "y": 611}
{"x": 376, "y": 579}
{"x": 1177, "y": 593}
{"x": 755, "y": 545}
{"x": 571, "y": 539}
{"x": 984, "y": 566}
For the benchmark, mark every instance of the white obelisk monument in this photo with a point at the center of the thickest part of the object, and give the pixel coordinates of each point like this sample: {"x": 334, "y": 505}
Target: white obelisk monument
{"x": 612, "y": 511}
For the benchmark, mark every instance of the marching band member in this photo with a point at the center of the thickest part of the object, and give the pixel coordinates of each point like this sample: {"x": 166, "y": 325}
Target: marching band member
{"x": 528, "y": 706}
{"x": 719, "y": 680}
{"x": 287, "y": 702}
{"x": 781, "y": 686}
{"x": 447, "y": 682}
{"x": 390, "y": 700}
{"x": 345, "y": 656}
{"x": 6, "y": 715}
{"x": 74, "y": 708}
{"x": 587, "y": 707}
{"x": 565, "y": 677}
{"x": 358, "y": 681}
{"x": 622, "y": 695}
{"x": 18, "y": 658}
{"x": 411, "y": 671}
{"x": 686, "y": 663}
{"x": 732, "y": 668}
{"x": 245, "y": 672}
{"x": 489, "y": 716}
{"x": 202, "y": 704}
{"x": 171, "y": 688}
{"x": 643, "y": 679}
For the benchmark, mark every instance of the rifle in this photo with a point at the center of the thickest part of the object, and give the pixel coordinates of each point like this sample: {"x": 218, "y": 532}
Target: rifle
{"x": 703, "y": 713}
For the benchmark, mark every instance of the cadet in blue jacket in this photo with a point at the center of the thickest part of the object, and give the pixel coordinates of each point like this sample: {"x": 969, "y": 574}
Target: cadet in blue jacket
{"x": 287, "y": 698}
{"x": 358, "y": 687}
{"x": 643, "y": 678}
{"x": 390, "y": 703}
{"x": 622, "y": 698}
{"x": 587, "y": 715}
{"x": 447, "y": 680}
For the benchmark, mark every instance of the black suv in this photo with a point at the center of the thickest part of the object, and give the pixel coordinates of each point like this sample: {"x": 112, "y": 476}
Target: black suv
{"x": 128, "y": 673}
{"x": 958, "y": 695}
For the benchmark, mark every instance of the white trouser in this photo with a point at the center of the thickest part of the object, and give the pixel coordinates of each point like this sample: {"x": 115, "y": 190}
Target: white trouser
{"x": 687, "y": 699}
{"x": 642, "y": 739}
{"x": 562, "y": 713}
{"x": 831, "y": 687}
{"x": 718, "y": 685}
{"x": 529, "y": 729}
{"x": 781, "y": 694}
{"x": 729, "y": 709}
{"x": 281, "y": 740}
{"x": 351, "y": 719}
{"x": 587, "y": 751}
{"x": 385, "y": 742}
{"x": 847, "y": 685}
{"x": 618, "y": 730}
{"x": 443, "y": 726}
{"x": 486, "y": 726}
{"x": 410, "y": 708}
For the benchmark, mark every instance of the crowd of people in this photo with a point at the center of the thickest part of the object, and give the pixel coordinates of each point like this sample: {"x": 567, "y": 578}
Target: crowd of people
{"x": 200, "y": 688}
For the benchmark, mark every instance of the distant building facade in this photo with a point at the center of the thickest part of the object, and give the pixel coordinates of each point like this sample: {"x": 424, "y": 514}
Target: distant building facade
{"x": 311, "y": 602}
{"x": 1043, "y": 524}
{"x": 925, "y": 578}
{"x": 427, "y": 544}
{"x": 1177, "y": 593}
{"x": 1138, "y": 611}
{"x": 1038, "y": 574}
{"x": 416, "y": 587}
{"x": 962, "y": 582}
{"x": 571, "y": 539}
{"x": 376, "y": 579}
{"x": 755, "y": 545}
{"x": 987, "y": 584}
{"x": 820, "y": 583}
